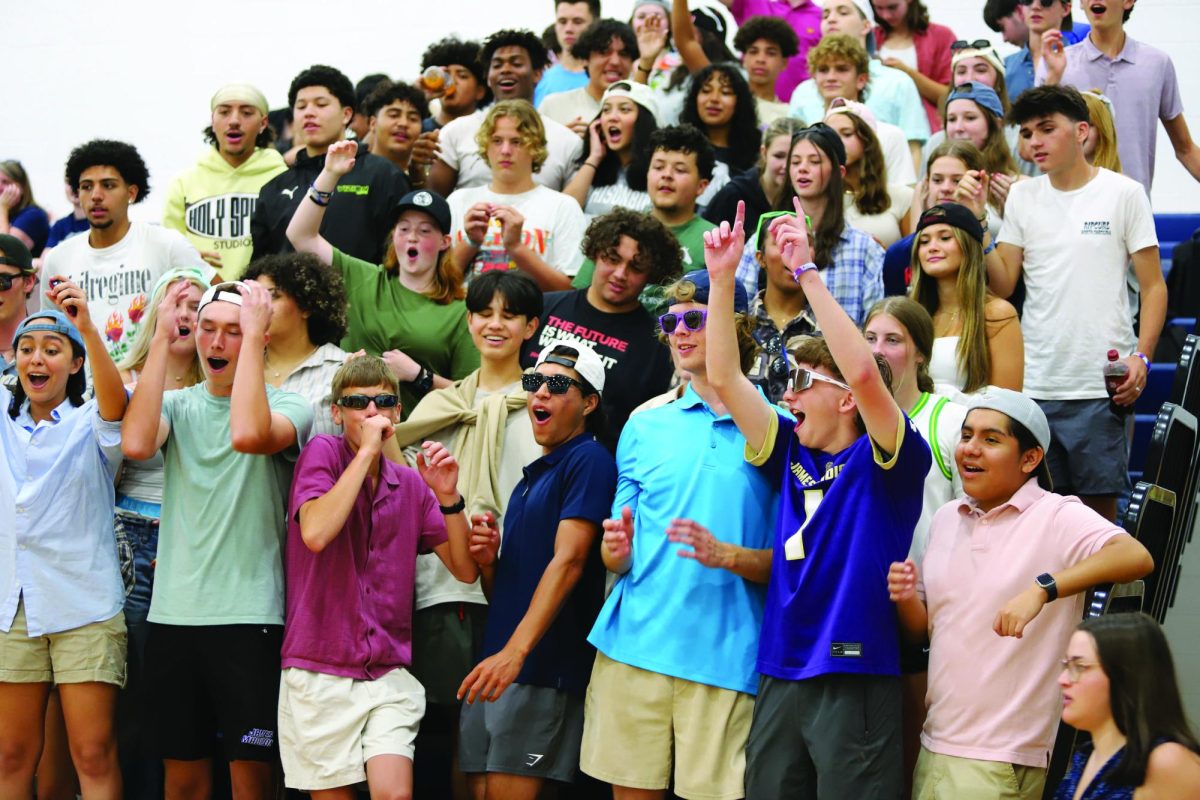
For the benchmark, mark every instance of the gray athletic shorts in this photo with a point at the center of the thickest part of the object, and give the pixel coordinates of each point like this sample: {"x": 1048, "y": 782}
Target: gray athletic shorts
{"x": 831, "y": 737}
{"x": 1089, "y": 447}
{"x": 530, "y": 730}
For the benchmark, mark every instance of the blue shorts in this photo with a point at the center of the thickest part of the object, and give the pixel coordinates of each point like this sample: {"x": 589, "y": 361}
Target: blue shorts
{"x": 1089, "y": 447}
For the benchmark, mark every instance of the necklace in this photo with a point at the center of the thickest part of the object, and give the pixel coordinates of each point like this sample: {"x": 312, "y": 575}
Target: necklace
{"x": 291, "y": 367}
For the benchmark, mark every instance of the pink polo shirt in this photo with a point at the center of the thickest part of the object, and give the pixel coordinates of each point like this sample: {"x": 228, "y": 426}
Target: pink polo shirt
{"x": 994, "y": 698}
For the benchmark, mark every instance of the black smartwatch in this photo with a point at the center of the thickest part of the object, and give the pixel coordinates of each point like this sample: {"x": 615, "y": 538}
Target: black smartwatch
{"x": 423, "y": 383}
{"x": 454, "y": 509}
{"x": 1046, "y": 581}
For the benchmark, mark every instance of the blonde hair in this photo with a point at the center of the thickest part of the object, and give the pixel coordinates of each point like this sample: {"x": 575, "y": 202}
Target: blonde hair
{"x": 1105, "y": 154}
{"x": 529, "y": 126}
{"x": 139, "y": 351}
{"x": 684, "y": 291}
{"x": 363, "y": 372}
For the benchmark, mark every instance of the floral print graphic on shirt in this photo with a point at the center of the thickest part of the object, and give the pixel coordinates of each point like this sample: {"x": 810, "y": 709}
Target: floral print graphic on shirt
{"x": 120, "y": 334}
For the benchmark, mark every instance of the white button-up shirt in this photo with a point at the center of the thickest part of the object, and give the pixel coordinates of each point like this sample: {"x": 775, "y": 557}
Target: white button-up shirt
{"x": 57, "y": 548}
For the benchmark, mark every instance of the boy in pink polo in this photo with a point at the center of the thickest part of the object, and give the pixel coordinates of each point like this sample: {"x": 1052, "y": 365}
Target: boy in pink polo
{"x": 999, "y": 595}
{"x": 348, "y": 707}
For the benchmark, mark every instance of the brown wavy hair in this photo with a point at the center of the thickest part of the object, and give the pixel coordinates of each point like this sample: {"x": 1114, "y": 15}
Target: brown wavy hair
{"x": 529, "y": 125}
{"x": 870, "y": 171}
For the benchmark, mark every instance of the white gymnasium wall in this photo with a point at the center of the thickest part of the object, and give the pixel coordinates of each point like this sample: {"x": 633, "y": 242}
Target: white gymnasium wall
{"x": 143, "y": 71}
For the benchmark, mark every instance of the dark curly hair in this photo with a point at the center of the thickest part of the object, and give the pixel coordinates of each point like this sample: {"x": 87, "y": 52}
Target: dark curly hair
{"x": 386, "y": 92}
{"x": 321, "y": 75}
{"x": 659, "y": 254}
{"x": 599, "y": 36}
{"x": 363, "y": 89}
{"x": 122, "y": 157}
{"x": 773, "y": 29}
{"x": 744, "y": 136}
{"x": 450, "y": 50}
{"x": 609, "y": 170}
{"x": 686, "y": 139}
{"x": 316, "y": 288}
{"x": 514, "y": 38}
{"x": 76, "y": 384}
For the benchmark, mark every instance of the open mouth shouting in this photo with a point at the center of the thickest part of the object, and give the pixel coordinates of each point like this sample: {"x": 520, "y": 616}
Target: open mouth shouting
{"x": 37, "y": 380}
{"x": 614, "y": 135}
{"x": 217, "y": 365}
{"x": 541, "y": 414}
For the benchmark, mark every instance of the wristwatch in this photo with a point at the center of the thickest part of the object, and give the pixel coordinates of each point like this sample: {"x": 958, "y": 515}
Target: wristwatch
{"x": 454, "y": 509}
{"x": 423, "y": 383}
{"x": 1046, "y": 581}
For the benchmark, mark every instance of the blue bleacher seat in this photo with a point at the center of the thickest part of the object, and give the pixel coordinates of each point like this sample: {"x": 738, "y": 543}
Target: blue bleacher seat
{"x": 1173, "y": 229}
{"x": 1158, "y": 389}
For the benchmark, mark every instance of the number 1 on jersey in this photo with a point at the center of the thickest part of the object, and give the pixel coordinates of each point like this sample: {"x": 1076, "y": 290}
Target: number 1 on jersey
{"x": 793, "y": 548}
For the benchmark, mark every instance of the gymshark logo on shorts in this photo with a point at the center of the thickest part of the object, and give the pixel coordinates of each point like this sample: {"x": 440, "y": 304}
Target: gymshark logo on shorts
{"x": 260, "y": 737}
{"x": 534, "y": 758}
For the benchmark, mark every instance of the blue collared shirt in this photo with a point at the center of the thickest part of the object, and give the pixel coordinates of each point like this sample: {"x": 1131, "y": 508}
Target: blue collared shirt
{"x": 855, "y": 277}
{"x": 1018, "y": 67}
{"x": 56, "y": 517}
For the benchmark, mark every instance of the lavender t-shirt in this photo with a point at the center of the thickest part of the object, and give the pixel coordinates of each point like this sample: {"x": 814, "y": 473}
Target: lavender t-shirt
{"x": 349, "y": 607}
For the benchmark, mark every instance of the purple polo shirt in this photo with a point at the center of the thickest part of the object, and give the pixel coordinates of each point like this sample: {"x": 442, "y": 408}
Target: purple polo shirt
{"x": 349, "y": 607}
{"x": 1141, "y": 83}
{"x": 805, "y": 20}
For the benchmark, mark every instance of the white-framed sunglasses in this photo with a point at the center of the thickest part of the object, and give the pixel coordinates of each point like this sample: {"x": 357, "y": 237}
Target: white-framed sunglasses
{"x": 802, "y": 378}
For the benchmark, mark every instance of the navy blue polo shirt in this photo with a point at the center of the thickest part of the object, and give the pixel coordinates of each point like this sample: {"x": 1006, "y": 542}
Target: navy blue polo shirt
{"x": 577, "y": 480}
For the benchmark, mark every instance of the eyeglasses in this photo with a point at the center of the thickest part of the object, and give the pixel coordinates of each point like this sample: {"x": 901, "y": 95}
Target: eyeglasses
{"x": 7, "y": 281}
{"x": 978, "y": 44}
{"x": 1042, "y": 3}
{"x": 359, "y": 402}
{"x": 802, "y": 378}
{"x": 556, "y": 384}
{"x": 693, "y": 320}
{"x": 1075, "y": 668}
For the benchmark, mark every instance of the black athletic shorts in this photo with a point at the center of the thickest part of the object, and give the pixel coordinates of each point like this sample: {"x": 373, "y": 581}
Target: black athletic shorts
{"x": 209, "y": 683}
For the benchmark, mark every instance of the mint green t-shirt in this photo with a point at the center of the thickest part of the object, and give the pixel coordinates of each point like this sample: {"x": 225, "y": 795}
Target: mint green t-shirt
{"x": 385, "y": 315}
{"x": 220, "y": 543}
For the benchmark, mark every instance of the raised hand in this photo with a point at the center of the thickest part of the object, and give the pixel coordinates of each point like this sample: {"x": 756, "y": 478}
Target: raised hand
{"x": 375, "y": 431}
{"x": 1055, "y": 55}
{"x": 255, "y": 315}
{"x": 618, "y": 535}
{"x": 425, "y": 149}
{"x": 723, "y": 245}
{"x": 476, "y": 222}
{"x": 791, "y": 235}
{"x": 902, "y": 580}
{"x": 972, "y": 191}
{"x": 998, "y": 187}
{"x": 11, "y": 196}
{"x": 597, "y": 148}
{"x": 340, "y": 157}
{"x": 512, "y": 224}
{"x": 485, "y": 539}
{"x": 67, "y": 295}
{"x": 652, "y": 41}
{"x": 439, "y": 470}
{"x": 402, "y": 366}
{"x": 174, "y": 313}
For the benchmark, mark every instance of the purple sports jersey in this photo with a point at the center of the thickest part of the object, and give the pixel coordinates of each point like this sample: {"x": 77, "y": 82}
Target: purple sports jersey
{"x": 843, "y": 520}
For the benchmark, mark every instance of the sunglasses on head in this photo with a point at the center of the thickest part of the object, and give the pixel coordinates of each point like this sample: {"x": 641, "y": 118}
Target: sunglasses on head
{"x": 693, "y": 320}
{"x": 802, "y": 378}
{"x": 555, "y": 384}
{"x": 7, "y": 281}
{"x": 1042, "y": 3}
{"x": 359, "y": 402}
{"x": 978, "y": 44}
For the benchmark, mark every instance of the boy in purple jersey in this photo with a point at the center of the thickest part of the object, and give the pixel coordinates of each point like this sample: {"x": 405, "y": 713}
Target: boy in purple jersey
{"x": 827, "y": 719}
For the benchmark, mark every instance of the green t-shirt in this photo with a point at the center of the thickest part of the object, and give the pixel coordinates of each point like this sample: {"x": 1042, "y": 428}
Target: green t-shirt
{"x": 691, "y": 240}
{"x": 220, "y": 546}
{"x": 384, "y": 315}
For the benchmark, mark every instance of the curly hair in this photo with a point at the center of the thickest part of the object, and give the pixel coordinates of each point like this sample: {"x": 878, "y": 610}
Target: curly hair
{"x": 387, "y": 92}
{"x": 316, "y": 288}
{"x": 686, "y": 139}
{"x": 364, "y": 87}
{"x": 452, "y": 50}
{"x": 640, "y": 149}
{"x": 684, "y": 291}
{"x": 870, "y": 171}
{"x": 529, "y": 125}
{"x": 528, "y": 40}
{"x": 917, "y": 17}
{"x": 122, "y": 157}
{"x": 744, "y": 136}
{"x": 599, "y": 36}
{"x": 658, "y": 253}
{"x": 840, "y": 47}
{"x": 321, "y": 75}
{"x": 773, "y": 29}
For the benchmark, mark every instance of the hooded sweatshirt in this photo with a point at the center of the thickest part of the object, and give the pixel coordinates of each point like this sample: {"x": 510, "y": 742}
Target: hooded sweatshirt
{"x": 212, "y": 203}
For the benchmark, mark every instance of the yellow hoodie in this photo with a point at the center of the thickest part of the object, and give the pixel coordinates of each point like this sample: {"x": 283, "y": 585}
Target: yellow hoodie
{"x": 212, "y": 203}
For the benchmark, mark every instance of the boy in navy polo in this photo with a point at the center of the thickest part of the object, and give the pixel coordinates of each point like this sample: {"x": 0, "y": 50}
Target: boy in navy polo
{"x": 545, "y": 590}
{"x": 349, "y": 708}
{"x": 852, "y": 466}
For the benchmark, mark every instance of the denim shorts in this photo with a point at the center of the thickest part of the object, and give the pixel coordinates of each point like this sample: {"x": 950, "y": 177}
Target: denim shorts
{"x": 137, "y": 547}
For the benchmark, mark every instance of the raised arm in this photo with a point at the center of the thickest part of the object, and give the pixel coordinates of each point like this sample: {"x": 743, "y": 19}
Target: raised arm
{"x": 525, "y": 257}
{"x": 1005, "y": 261}
{"x": 144, "y": 429}
{"x": 106, "y": 378}
{"x": 253, "y": 427}
{"x": 849, "y": 349}
{"x": 304, "y": 231}
{"x": 723, "y": 247}
{"x": 687, "y": 41}
{"x": 581, "y": 182}
{"x": 439, "y": 470}
{"x": 322, "y": 518}
{"x": 572, "y": 543}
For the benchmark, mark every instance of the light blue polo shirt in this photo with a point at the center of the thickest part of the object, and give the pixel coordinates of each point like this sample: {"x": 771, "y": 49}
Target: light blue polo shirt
{"x": 670, "y": 614}
{"x": 891, "y": 95}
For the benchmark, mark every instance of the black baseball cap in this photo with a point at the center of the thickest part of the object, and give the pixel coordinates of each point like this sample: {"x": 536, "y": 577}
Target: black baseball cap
{"x": 954, "y": 215}
{"x": 431, "y": 203}
{"x": 15, "y": 253}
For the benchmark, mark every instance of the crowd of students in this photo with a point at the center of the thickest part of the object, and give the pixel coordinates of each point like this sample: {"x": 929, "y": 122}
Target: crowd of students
{"x": 601, "y": 408}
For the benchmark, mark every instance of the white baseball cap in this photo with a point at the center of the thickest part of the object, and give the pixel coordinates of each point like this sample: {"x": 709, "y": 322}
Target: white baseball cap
{"x": 581, "y": 358}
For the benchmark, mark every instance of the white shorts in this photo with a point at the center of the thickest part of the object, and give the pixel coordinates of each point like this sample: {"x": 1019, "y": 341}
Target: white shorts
{"x": 330, "y": 726}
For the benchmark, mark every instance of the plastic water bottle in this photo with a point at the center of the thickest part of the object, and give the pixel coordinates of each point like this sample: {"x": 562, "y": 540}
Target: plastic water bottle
{"x": 1115, "y": 373}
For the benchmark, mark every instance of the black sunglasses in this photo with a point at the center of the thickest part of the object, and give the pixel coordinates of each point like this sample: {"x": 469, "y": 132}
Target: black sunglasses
{"x": 1042, "y": 3}
{"x": 693, "y": 320}
{"x": 556, "y": 384}
{"x": 360, "y": 401}
{"x": 7, "y": 281}
{"x": 978, "y": 44}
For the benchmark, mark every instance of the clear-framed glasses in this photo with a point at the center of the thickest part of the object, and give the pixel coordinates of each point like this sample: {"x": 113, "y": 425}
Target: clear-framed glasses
{"x": 1075, "y": 668}
{"x": 802, "y": 378}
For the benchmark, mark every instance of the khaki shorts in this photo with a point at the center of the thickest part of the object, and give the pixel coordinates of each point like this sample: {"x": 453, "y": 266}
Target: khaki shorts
{"x": 637, "y": 722}
{"x": 330, "y": 726}
{"x": 942, "y": 777}
{"x": 93, "y": 653}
